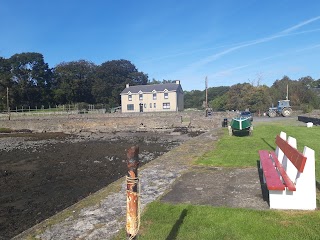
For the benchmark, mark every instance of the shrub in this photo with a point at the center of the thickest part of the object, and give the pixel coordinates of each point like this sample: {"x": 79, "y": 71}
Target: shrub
{"x": 307, "y": 108}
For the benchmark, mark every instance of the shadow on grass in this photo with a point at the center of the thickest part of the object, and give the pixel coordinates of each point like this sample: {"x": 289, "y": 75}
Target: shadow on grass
{"x": 175, "y": 229}
{"x": 243, "y": 133}
{"x": 264, "y": 189}
{"x": 268, "y": 144}
{"x": 318, "y": 185}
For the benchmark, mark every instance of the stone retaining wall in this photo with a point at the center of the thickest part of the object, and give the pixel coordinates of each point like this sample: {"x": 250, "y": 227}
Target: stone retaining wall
{"x": 116, "y": 122}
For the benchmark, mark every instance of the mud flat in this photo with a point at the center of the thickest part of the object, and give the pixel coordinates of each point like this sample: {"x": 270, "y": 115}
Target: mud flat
{"x": 44, "y": 173}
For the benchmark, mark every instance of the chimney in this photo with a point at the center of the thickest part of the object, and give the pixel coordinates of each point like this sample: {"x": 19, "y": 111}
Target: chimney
{"x": 177, "y": 81}
{"x": 127, "y": 85}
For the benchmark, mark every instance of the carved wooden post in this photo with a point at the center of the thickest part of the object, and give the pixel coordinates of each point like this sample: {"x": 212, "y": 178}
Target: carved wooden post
{"x": 133, "y": 220}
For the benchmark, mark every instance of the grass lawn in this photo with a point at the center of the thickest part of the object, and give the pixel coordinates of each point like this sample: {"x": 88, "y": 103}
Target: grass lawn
{"x": 232, "y": 151}
{"x": 182, "y": 221}
{"x": 165, "y": 221}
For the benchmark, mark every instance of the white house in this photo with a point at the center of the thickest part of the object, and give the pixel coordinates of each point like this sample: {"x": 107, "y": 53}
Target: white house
{"x": 167, "y": 97}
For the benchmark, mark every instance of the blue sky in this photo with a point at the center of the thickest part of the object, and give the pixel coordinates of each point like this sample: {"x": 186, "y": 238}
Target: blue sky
{"x": 228, "y": 41}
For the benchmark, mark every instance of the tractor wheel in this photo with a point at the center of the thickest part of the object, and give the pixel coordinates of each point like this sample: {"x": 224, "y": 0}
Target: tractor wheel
{"x": 272, "y": 114}
{"x": 286, "y": 112}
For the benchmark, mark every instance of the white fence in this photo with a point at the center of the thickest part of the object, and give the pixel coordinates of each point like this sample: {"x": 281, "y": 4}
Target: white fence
{"x": 56, "y": 110}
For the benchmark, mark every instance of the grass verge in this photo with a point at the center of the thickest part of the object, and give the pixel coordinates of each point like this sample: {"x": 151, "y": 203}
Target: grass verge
{"x": 165, "y": 221}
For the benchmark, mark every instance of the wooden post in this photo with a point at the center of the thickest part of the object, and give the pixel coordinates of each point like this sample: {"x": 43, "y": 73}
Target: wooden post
{"x": 133, "y": 220}
{"x": 8, "y": 103}
{"x": 206, "y": 92}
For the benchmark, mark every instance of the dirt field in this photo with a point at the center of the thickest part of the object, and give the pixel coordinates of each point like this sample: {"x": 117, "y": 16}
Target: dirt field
{"x": 43, "y": 173}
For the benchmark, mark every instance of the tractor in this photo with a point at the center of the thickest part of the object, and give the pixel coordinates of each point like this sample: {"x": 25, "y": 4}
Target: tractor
{"x": 283, "y": 109}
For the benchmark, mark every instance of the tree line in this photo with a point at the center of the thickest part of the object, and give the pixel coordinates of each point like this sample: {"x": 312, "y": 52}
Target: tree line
{"x": 303, "y": 93}
{"x": 31, "y": 83}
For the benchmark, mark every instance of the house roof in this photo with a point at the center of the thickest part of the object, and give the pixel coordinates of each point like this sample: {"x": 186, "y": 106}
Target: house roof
{"x": 150, "y": 88}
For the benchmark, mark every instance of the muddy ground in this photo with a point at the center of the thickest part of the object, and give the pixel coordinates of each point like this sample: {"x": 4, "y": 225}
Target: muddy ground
{"x": 43, "y": 173}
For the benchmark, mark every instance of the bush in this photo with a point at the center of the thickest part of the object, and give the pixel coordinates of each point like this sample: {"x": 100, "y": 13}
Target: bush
{"x": 307, "y": 108}
{"x": 83, "y": 106}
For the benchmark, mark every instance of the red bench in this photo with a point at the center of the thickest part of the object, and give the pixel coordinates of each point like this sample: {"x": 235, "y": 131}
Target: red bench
{"x": 289, "y": 175}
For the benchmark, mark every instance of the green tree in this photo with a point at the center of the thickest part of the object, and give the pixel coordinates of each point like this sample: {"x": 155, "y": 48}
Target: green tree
{"x": 112, "y": 77}
{"x": 219, "y": 103}
{"x": 239, "y": 96}
{"x": 194, "y": 99}
{"x": 300, "y": 91}
{"x": 279, "y": 89}
{"x": 245, "y": 96}
{"x": 259, "y": 99}
{"x": 73, "y": 82}
{"x": 31, "y": 79}
{"x": 5, "y": 82}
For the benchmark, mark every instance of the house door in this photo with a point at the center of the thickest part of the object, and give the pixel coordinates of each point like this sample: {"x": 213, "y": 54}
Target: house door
{"x": 141, "y": 107}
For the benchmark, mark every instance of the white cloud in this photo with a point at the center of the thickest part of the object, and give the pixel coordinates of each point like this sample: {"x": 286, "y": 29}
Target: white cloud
{"x": 299, "y": 25}
{"x": 287, "y": 32}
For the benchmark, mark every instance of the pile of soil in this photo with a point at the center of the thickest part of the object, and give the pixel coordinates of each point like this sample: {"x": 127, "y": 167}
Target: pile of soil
{"x": 42, "y": 174}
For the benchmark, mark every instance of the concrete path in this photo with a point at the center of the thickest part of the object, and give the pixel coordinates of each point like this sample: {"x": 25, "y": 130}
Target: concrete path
{"x": 220, "y": 187}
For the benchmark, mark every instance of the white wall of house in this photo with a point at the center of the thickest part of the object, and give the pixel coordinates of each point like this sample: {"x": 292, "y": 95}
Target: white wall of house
{"x": 151, "y": 102}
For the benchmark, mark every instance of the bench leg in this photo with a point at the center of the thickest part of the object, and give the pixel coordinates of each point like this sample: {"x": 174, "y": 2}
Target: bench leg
{"x": 290, "y": 200}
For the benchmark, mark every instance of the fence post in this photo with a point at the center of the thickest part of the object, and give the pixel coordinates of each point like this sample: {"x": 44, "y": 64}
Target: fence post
{"x": 133, "y": 213}
{"x": 8, "y": 107}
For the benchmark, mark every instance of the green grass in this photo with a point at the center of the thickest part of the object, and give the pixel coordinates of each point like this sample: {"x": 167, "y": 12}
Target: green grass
{"x": 184, "y": 221}
{"x": 5, "y": 130}
{"x": 166, "y": 221}
{"x": 232, "y": 151}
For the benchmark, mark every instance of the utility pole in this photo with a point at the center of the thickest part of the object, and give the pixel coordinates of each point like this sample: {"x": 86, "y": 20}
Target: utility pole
{"x": 206, "y": 92}
{"x": 8, "y": 108}
{"x": 287, "y": 97}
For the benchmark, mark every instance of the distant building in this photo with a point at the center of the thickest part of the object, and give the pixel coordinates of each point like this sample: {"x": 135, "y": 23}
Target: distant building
{"x": 167, "y": 97}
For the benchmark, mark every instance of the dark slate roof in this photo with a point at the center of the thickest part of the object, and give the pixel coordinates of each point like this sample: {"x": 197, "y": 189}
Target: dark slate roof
{"x": 150, "y": 88}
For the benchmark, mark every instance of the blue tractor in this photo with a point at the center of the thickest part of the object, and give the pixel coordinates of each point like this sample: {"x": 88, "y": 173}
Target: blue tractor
{"x": 283, "y": 109}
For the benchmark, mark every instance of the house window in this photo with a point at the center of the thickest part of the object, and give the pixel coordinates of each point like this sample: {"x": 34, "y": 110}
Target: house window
{"x": 150, "y": 105}
{"x": 129, "y": 97}
{"x": 154, "y": 105}
{"x": 166, "y": 105}
{"x": 145, "y": 105}
{"x": 130, "y": 107}
{"x": 166, "y": 96}
{"x": 140, "y": 96}
{"x": 154, "y": 96}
